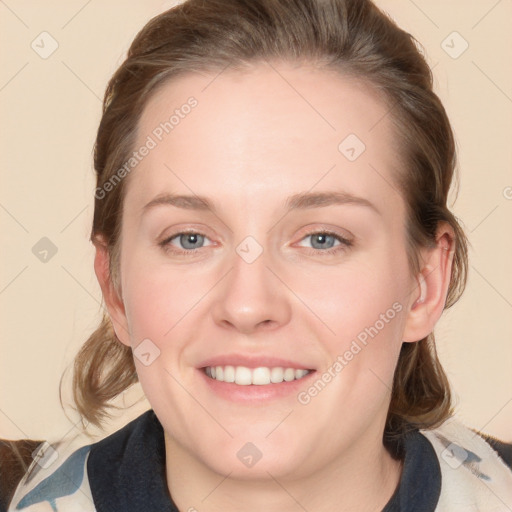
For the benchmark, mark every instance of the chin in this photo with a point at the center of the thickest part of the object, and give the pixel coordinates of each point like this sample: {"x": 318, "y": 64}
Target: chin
{"x": 253, "y": 460}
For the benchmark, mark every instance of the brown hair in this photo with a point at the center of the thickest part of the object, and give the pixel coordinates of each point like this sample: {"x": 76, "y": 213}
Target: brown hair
{"x": 352, "y": 37}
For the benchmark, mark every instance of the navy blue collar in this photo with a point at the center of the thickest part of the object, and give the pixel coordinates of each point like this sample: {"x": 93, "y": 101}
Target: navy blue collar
{"x": 126, "y": 471}
{"x": 420, "y": 483}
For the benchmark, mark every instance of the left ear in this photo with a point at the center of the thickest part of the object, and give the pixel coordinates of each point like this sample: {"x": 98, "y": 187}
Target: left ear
{"x": 429, "y": 298}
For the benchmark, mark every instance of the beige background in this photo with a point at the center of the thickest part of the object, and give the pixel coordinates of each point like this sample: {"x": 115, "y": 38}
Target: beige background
{"x": 50, "y": 111}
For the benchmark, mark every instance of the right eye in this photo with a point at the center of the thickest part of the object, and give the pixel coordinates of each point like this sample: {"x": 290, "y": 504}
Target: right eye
{"x": 189, "y": 240}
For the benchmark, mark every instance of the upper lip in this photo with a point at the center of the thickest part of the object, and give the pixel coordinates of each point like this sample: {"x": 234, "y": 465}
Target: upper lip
{"x": 252, "y": 361}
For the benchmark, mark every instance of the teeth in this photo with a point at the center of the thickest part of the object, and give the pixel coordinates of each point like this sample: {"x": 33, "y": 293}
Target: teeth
{"x": 229, "y": 374}
{"x": 276, "y": 375}
{"x": 243, "y": 376}
{"x": 261, "y": 376}
{"x": 289, "y": 374}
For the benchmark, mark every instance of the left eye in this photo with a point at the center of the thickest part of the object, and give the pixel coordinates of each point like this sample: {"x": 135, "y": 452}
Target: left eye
{"x": 326, "y": 240}
{"x": 188, "y": 240}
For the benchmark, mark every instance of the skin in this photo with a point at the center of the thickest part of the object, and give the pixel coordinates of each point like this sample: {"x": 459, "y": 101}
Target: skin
{"x": 255, "y": 138}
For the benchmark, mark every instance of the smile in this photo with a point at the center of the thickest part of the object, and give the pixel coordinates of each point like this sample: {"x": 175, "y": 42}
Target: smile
{"x": 244, "y": 376}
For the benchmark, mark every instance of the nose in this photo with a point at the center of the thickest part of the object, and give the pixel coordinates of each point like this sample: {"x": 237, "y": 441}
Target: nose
{"x": 251, "y": 297}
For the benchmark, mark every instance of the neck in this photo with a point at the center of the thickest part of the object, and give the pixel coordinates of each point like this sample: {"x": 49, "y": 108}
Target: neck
{"x": 362, "y": 479}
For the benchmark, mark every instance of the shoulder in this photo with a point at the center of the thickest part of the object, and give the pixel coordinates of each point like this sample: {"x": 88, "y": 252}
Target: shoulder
{"x": 15, "y": 458}
{"x": 503, "y": 449}
{"x": 104, "y": 475}
{"x": 474, "y": 471}
{"x": 58, "y": 476}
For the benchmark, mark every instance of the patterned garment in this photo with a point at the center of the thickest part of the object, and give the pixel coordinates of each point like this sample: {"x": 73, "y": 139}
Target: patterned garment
{"x": 50, "y": 481}
{"x": 126, "y": 472}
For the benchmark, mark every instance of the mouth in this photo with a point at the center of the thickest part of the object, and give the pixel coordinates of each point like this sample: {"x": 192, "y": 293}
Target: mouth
{"x": 260, "y": 376}
{"x": 253, "y": 379}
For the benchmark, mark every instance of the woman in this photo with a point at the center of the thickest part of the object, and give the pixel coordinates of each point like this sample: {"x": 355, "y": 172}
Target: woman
{"x": 274, "y": 249}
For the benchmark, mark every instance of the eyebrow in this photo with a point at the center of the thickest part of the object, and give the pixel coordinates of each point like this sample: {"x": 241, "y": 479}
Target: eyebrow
{"x": 301, "y": 201}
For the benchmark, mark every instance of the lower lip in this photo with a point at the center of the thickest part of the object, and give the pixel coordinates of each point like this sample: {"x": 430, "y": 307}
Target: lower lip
{"x": 253, "y": 392}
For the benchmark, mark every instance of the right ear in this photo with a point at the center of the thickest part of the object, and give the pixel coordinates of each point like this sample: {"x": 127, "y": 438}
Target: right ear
{"x": 112, "y": 299}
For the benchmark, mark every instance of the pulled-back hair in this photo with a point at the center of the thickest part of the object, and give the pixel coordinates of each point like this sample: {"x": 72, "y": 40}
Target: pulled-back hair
{"x": 352, "y": 37}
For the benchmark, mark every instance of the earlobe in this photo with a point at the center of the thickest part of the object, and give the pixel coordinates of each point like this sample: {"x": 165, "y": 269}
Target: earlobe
{"x": 113, "y": 301}
{"x": 432, "y": 287}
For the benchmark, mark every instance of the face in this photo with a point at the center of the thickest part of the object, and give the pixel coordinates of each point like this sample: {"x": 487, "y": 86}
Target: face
{"x": 265, "y": 278}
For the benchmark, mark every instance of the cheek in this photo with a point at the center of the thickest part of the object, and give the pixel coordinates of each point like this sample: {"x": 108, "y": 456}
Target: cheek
{"x": 364, "y": 307}
{"x": 156, "y": 294}
{"x": 147, "y": 309}
{"x": 159, "y": 307}
{"x": 359, "y": 296}
{"x": 154, "y": 303}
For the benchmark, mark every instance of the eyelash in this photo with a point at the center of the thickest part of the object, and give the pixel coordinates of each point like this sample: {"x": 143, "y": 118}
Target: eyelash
{"x": 344, "y": 243}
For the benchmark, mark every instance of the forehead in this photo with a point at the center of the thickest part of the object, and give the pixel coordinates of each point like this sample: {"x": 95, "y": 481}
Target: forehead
{"x": 264, "y": 132}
